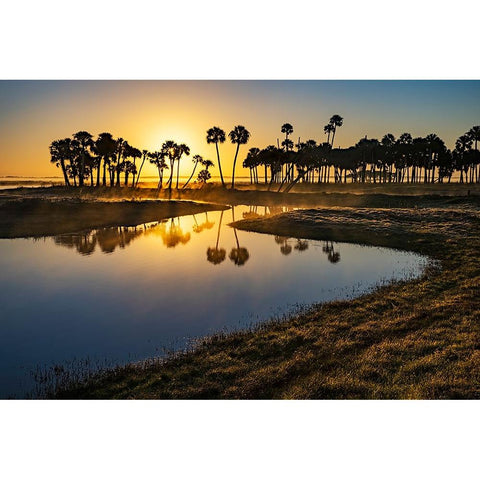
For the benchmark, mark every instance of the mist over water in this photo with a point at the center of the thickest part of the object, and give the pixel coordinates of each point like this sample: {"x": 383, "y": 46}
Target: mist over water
{"x": 122, "y": 293}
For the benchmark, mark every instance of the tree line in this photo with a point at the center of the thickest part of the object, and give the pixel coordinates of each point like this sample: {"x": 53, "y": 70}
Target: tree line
{"x": 403, "y": 159}
{"x": 105, "y": 160}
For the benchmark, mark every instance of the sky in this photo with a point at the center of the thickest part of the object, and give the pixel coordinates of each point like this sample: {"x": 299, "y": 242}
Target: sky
{"x": 146, "y": 113}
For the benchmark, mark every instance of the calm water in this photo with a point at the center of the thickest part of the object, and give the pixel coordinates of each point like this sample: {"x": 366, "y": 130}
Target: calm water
{"x": 122, "y": 294}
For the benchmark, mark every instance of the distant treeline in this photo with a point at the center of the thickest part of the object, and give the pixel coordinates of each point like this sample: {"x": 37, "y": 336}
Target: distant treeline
{"x": 405, "y": 159}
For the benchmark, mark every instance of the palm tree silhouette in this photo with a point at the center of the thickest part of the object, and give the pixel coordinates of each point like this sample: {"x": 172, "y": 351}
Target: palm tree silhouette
{"x": 134, "y": 153}
{"x": 60, "y": 151}
{"x": 204, "y": 175}
{"x": 85, "y": 140}
{"x": 105, "y": 146}
{"x": 169, "y": 149}
{"x": 145, "y": 154}
{"x": 158, "y": 159}
{"x": 122, "y": 146}
{"x": 328, "y": 128}
{"x": 180, "y": 150}
{"x": 240, "y": 136}
{"x": 216, "y": 135}
{"x": 196, "y": 160}
{"x": 216, "y": 255}
{"x": 335, "y": 121}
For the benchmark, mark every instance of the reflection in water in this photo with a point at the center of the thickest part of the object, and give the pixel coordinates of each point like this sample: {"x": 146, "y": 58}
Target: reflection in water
{"x": 74, "y": 307}
{"x": 332, "y": 255}
{"x": 108, "y": 239}
{"x": 174, "y": 234}
{"x": 206, "y": 225}
{"x": 217, "y": 255}
{"x": 240, "y": 254}
{"x": 285, "y": 246}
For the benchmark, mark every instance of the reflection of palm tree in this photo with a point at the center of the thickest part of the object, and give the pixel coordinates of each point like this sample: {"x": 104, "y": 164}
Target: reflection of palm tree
{"x": 285, "y": 248}
{"x": 216, "y": 255}
{"x": 238, "y": 255}
{"x": 84, "y": 243}
{"x": 197, "y": 228}
{"x": 301, "y": 245}
{"x": 332, "y": 255}
{"x": 174, "y": 235}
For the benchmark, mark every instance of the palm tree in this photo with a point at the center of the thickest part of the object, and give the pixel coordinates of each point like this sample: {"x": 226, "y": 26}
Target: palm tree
{"x": 85, "y": 140}
{"x": 216, "y": 135}
{"x": 474, "y": 134}
{"x": 169, "y": 149}
{"x": 158, "y": 159}
{"x": 145, "y": 154}
{"x": 120, "y": 152}
{"x": 196, "y": 160}
{"x": 135, "y": 153}
{"x": 335, "y": 121}
{"x": 60, "y": 151}
{"x": 180, "y": 150}
{"x": 240, "y": 136}
{"x": 328, "y": 128}
{"x": 105, "y": 146}
{"x": 287, "y": 129}
{"x": 204, "y": 175}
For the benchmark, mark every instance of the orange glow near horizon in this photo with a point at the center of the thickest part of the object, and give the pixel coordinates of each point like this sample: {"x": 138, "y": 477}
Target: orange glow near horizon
{"x": 147, "y": 113}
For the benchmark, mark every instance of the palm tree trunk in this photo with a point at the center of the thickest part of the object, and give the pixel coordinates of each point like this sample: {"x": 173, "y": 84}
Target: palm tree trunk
{"x": 178, "y": 171}
{"x": 194, "y": 167}
{"x": 82, "y": 169}
{"x": 333, "y": 136}
{"x": 64, "y": 171}
{"x": 234, "y": 163}
{"x": 219, "y": 164}
{"x": 170, "y": 180}
{"x": 139, "y": 172}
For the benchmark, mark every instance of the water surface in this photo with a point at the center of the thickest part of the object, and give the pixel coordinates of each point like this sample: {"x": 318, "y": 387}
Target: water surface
{"x": 123, "y": 293}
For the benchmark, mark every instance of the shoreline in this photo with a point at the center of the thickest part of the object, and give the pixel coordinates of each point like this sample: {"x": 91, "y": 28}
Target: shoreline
{"x": 32, "y": 217}
{"x": 410, "y": 339}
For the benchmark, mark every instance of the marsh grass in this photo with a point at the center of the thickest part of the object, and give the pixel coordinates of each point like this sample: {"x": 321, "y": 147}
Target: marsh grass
{"x": 408, "y": 339}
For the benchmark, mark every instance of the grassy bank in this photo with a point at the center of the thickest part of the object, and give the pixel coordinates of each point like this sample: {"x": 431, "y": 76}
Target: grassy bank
{"x": 416, "y": 339}
{"x": 32, "y": 217}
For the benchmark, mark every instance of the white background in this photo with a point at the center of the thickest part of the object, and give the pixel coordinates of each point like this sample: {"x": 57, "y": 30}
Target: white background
{"x": 239, "y": 40}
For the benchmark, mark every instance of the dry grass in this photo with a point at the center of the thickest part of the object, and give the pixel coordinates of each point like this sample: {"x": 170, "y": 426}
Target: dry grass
{"x": 32, "y": 217}
{"x": 416, "y": 339}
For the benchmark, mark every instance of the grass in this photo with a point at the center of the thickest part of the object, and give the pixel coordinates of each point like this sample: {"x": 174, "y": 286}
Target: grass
{"x": 412, "y": 339}
{"x": 33, "y": 217}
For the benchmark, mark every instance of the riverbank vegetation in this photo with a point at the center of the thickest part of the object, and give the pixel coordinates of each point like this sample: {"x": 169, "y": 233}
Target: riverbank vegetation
{"x": 410, "y": 339}
{"x": 36, "y": 217}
